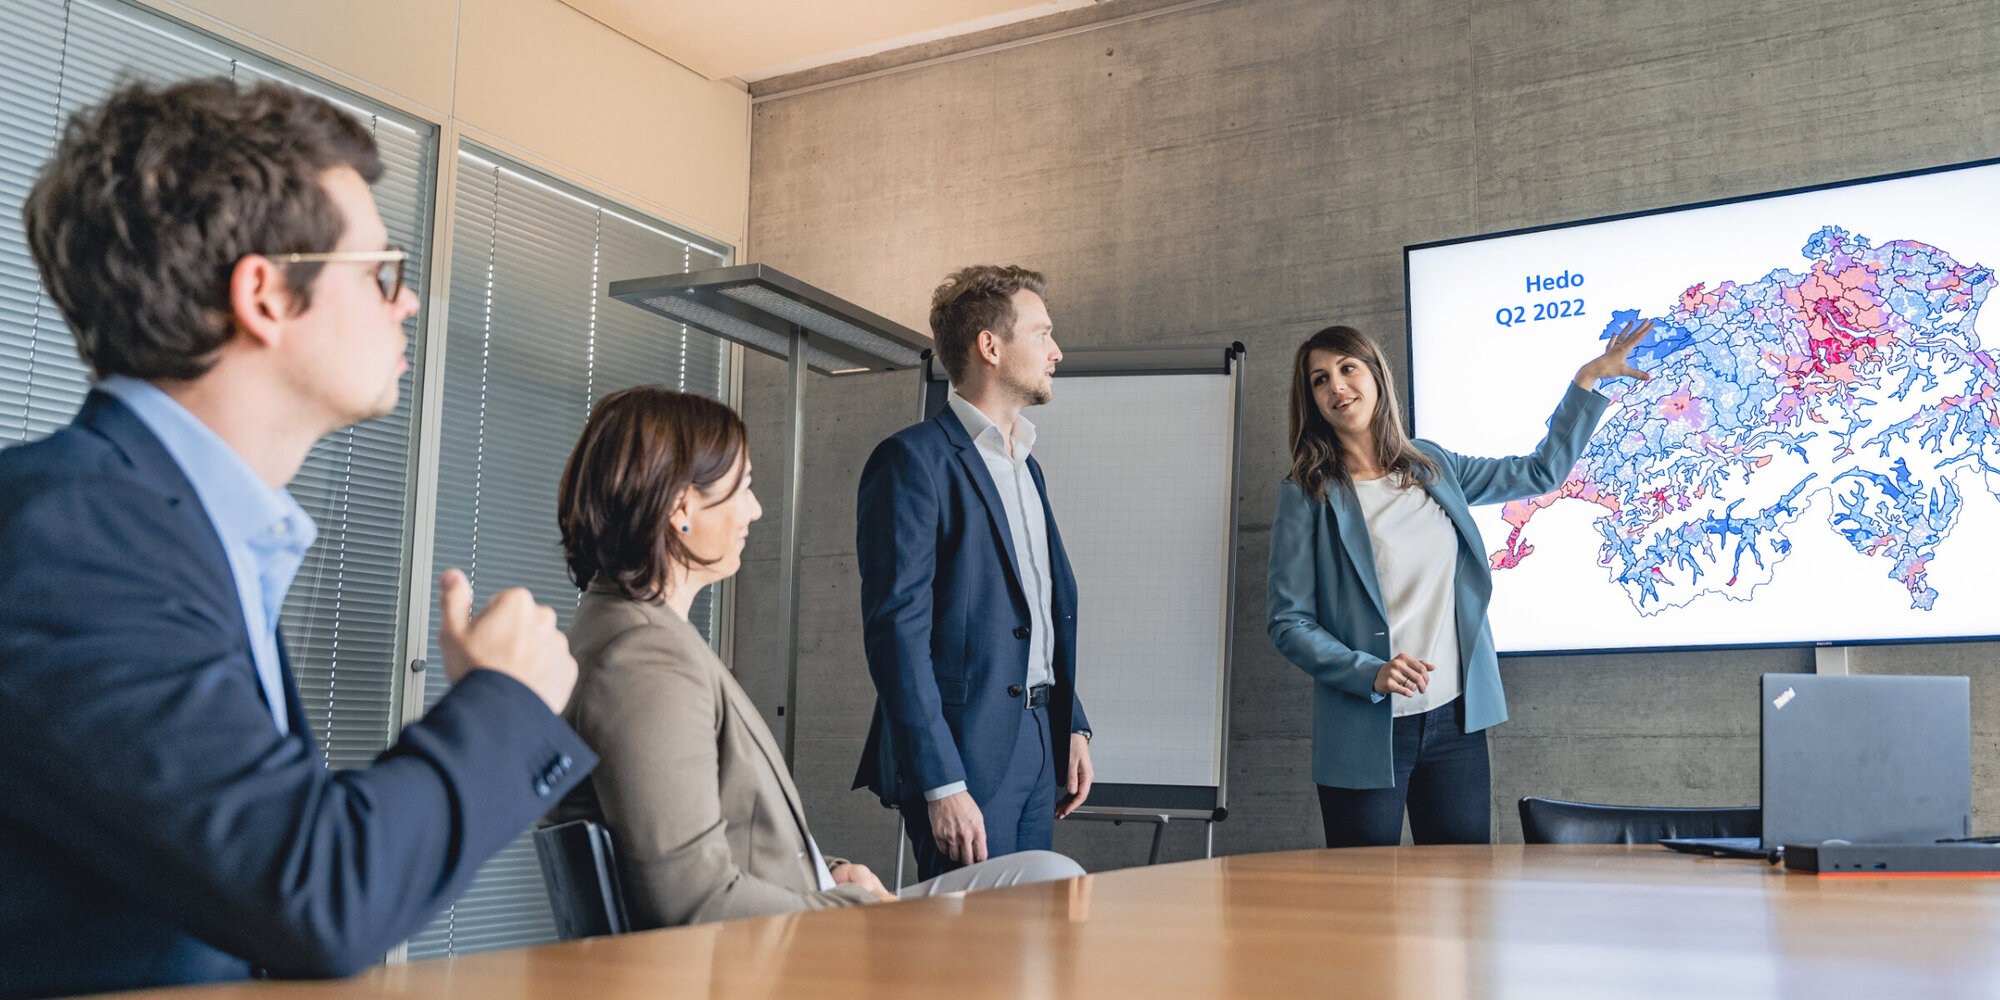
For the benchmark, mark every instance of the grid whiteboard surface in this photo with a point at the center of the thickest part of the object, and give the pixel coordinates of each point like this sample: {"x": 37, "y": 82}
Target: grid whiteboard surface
{"x": 1139, "y": 477}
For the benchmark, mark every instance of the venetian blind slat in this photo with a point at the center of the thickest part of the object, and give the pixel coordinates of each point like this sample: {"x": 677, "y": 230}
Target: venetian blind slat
{"x": 532, "y": 341}
{"x": 340, "y": 619}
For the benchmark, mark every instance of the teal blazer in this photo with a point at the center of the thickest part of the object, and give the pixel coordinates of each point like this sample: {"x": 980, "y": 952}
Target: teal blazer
{"x": 1325, "y": 609}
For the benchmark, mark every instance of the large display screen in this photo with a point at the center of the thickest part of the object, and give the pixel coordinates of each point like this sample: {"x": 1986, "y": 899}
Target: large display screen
{"x": 1817, "y": 456}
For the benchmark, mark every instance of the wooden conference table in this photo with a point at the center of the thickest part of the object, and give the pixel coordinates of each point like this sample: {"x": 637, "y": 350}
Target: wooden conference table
{"x": 1505, "y": 921}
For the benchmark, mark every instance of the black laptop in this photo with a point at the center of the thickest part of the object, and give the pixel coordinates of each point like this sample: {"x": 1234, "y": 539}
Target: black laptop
{"x": 1874, "y": 760}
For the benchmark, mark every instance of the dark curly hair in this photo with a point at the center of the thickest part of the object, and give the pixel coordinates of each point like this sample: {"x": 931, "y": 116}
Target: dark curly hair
{"x": 153, "y": 196}
{"x": 976, "y": 298}
{"x": 640, "y": 449}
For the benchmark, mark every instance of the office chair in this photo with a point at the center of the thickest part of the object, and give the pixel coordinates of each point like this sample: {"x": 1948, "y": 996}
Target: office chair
{"x": 582, "y": 878}
{"x": 1549, "y": 821}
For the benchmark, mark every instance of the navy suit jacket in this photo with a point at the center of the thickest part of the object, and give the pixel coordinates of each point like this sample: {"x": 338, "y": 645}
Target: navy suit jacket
{"x": 945, "y": 618}
{"x": 154, "y": 825}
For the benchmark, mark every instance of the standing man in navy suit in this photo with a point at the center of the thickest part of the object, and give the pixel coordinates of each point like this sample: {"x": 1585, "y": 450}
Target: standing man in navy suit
{"x": 165, "y": 814}
{"x": 967, "y": 600}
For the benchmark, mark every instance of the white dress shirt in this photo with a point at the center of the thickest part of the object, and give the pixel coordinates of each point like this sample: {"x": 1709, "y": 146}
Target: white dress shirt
{"x": 1028, "y": 525}
{"x": 1416, "y": 564}
{"x": 820, "y": 871}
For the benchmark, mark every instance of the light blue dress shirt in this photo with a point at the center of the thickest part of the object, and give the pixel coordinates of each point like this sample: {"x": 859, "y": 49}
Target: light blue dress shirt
{"x": 1028, "y": 520}
{"x": 264, "y": 532}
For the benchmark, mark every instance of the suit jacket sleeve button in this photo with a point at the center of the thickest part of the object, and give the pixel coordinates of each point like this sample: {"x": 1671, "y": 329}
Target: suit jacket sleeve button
{"x": 1013, "y": 690}
{"x": 541, "y": 788}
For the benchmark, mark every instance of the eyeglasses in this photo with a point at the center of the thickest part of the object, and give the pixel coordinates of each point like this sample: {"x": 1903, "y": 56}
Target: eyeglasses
{"x": 389, "y": 264}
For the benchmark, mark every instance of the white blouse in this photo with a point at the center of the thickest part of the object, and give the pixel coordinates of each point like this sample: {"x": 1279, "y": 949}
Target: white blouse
{"x": 1416, "y": 564}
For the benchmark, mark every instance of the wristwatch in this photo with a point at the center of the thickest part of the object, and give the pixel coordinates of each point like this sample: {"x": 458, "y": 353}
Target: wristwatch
{"x": 1085, "y": 733}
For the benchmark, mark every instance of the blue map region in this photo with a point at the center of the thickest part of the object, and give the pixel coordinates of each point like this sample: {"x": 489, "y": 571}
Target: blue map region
{"x": 1856, "y": 386}
{"x": 1663, "y": 340}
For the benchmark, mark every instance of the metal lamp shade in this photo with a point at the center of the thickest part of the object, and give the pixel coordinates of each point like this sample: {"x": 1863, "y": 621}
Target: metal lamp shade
{"x": 763, "y": 308}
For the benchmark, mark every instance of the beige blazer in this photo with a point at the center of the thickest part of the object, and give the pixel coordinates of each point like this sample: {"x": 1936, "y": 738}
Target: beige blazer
{"x": 704, "y": 819}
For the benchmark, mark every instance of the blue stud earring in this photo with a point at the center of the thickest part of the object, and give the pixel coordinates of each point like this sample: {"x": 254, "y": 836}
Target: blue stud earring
{"x": 685, "y": 527}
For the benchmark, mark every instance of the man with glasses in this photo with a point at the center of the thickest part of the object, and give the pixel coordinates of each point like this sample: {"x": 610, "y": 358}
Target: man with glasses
{"x": 165, "y": 814}
{"x": 388, "y": 263}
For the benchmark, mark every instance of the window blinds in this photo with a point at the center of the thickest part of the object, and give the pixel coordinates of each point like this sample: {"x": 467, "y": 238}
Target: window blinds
{"x": 532, "y": 342}
{"x": 341, "y": 618}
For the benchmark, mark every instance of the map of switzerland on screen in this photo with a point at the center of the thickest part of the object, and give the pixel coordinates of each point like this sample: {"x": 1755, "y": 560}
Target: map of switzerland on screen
{"x": 1816, "y": 458}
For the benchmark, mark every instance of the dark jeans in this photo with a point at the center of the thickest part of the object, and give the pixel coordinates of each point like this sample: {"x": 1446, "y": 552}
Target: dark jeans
{"x": 1020, "y": 815}
{"x": 1442, "y": 776}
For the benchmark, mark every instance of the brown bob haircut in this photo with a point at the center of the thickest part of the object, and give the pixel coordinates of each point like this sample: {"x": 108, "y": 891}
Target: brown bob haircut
{"x": 153, "y": 196}
{"x": 1316, "y": 455}
{"x": 640, "y": 450}
{"x": 976, "y": 298}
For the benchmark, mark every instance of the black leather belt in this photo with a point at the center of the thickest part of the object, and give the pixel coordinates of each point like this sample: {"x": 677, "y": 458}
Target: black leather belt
{"x": 1038, "y": 696}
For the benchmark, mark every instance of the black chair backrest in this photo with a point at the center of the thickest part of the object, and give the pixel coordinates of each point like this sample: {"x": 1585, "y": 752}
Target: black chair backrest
{"x": 582, "y": 876}
{"x": 1548, "y": 821}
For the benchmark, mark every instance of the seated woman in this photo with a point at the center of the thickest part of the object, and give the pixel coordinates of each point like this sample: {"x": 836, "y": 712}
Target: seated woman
{"x": 655, "y": 505}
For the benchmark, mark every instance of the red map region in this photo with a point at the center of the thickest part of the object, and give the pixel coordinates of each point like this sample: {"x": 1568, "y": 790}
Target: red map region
{"x": 1842, "y": 315}
{"x": 1518, "y": 512}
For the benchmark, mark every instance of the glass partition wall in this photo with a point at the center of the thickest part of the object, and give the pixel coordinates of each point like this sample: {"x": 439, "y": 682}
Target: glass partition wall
{"x": 527, "y": 341}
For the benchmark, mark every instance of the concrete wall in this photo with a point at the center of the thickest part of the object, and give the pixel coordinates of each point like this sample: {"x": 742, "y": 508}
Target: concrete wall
{"x": 1250, "y": 170}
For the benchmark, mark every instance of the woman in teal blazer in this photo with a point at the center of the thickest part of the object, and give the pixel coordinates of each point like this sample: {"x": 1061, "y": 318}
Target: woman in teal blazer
{"x": 1378, "y": 589}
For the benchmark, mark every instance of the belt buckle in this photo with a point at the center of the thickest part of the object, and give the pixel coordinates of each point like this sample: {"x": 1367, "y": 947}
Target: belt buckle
{"x": 1038, "y": 696}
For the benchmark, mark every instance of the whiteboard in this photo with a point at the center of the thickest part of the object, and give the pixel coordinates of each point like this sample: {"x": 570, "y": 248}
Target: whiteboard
{"x": 1139, "y": 452}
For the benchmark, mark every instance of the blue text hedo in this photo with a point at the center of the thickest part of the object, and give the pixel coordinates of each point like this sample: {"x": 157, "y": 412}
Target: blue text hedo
{"x": 1544, "y": 283}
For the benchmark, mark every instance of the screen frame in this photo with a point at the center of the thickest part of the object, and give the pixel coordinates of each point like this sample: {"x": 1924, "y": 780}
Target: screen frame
{"x": 1410, "y": 378}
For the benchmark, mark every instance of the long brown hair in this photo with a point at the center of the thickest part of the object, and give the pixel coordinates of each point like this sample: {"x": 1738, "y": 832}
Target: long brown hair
{"x": 640, "y": 450}
{"x": 1316, "y": 457}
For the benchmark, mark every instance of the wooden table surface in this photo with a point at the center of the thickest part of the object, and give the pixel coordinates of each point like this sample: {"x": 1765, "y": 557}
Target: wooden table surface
{"x": 1504, "y": 921}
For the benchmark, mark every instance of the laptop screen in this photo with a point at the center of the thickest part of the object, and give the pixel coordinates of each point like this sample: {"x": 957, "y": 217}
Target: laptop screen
{"x": 1867, "y": 759}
